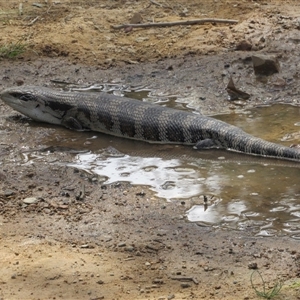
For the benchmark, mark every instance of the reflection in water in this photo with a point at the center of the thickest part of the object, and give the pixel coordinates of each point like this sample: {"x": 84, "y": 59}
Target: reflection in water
{"x": 217, "y": 213}
{"x": 166, "y": 177}
{"x": 259, "y": 197}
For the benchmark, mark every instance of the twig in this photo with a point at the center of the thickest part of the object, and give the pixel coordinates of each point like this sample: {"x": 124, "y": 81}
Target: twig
{"x": 168, "y": 24}
{"x": 158, "y": 4}
{"x": 49, "y": 8}
{"x": 33, "y": 21}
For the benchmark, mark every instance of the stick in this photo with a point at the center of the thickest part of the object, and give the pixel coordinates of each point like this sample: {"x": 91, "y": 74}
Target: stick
{"x": 168, "y": 24}
{"x": 158, "y": 4}
{"x": 33, "y": 21}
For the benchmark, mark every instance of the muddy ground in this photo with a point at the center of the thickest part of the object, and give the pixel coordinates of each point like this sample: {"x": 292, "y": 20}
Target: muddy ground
{"x": 81, "y": 239}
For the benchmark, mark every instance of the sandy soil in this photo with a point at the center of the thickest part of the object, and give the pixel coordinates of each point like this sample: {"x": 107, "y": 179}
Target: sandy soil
{"x": 84, "y": 240}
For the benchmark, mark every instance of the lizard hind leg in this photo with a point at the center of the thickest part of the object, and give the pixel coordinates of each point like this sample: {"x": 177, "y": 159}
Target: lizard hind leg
{"x": 206, "y": 144}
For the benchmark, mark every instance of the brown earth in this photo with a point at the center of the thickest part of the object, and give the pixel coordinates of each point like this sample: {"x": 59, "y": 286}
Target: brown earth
{"x": 81, "y": 239}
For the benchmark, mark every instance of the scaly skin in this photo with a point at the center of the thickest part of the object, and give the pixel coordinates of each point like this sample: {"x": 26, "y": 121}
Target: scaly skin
{"x": 138, "y": 120}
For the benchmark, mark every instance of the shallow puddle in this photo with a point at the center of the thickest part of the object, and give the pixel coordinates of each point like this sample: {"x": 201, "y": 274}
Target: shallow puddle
{"x": 219, "y": 188}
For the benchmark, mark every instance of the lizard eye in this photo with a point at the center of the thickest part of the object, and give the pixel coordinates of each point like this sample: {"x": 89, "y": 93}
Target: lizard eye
{"x": 22, "y": 96}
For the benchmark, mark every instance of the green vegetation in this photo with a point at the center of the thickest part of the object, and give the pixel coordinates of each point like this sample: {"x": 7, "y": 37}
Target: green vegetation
{"x": 12, "y": 50}
{"x": 267, "y": 294}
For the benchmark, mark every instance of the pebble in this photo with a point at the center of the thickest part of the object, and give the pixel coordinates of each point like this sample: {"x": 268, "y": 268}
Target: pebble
{"x": 8, "y": 193}
{"x": 2, "y": 176}
{"x": 243, "y": 46}
{"x": 265, "y": 65}
{"x": 158, "y": 281}
{"x": 129, "y": 249}
{"x": 30, "y": 200}
{"x": 252, "y": 266}
{"x": 136, "y": 18}
{"x": 19, "y": 81}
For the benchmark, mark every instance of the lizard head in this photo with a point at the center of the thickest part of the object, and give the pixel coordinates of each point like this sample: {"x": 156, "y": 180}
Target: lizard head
{"x": 32, "y": 102}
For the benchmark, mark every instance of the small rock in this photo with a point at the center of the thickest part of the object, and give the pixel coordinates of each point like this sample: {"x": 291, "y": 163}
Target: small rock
{"x": 265, "y": 65}
{"x": 243, "y": 46}
{"x": 19, "y": 81}
{"x": 185, "y": 285}
{"x": 8, "y": 193}
{"x": 30, "y": 200}
{"x": 129, "y": 249}
{"x": 39, "y": 5}
{"x": 158, "y": 281}
{"x": 128, "y": 29}
{"x": 252, "y": 266}
{"x": 2, "y": 176}
{"x": 136, "y": 19}
{"x": 257, "y": 255}
{"x": 279, "y": 82}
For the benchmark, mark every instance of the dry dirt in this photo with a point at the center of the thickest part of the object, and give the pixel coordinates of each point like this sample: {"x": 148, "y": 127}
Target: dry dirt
{"x": 85, "y": 240}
